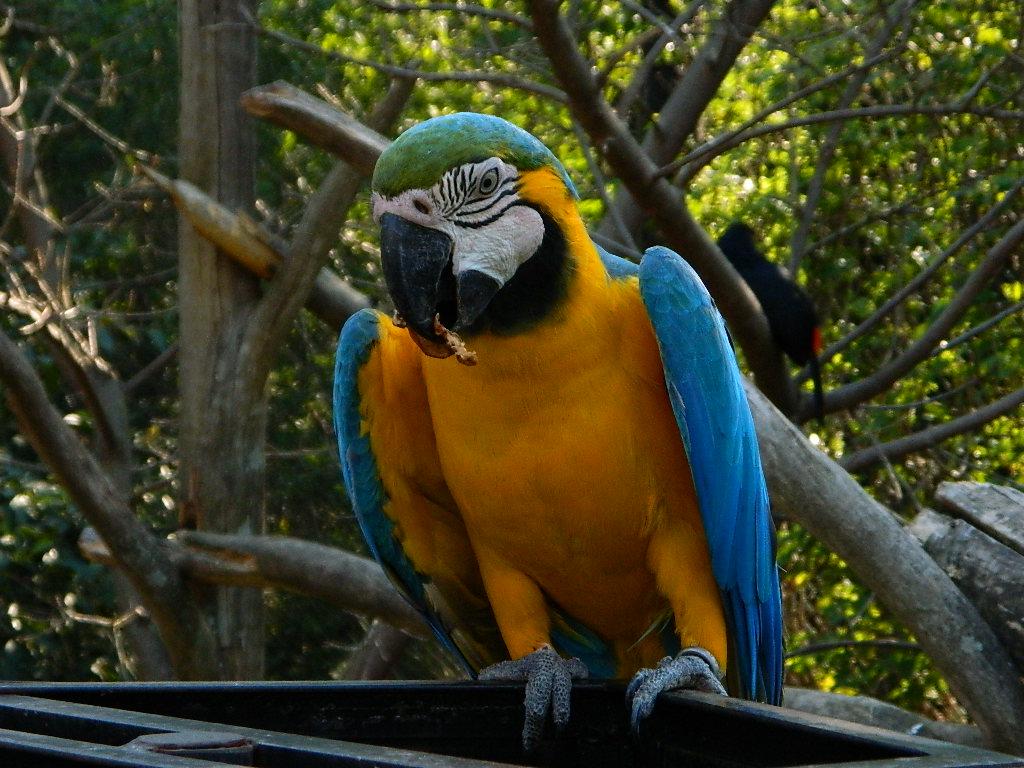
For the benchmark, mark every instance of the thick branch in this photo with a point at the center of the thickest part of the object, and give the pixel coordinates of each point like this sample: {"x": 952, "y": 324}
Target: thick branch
{"x": 248, "y": 244}
{"x": 883, "y": 378}
{"x": 351, "y": 582}
{"x": 387, "y": 111}
{"x": 318, "y": 122}
{"x": 806, "y": 486}
{"x": 314, "y": 237}
{"x": 141, "y": 556}
{"x": 339, "y": 578}
{"x": 988, "y": 572}
{"x": 868, "y": 711}
{"x": 660, "y": 200}
{"x": 926, "y": 438}
{"x": 996, "y": 510}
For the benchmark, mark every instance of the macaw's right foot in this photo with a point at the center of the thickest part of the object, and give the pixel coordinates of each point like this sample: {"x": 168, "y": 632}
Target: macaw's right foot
{"x": 548, "y": 679}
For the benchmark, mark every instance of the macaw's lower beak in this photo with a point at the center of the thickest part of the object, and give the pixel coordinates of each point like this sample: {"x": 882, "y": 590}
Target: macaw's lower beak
{"x": 417, "y": 265}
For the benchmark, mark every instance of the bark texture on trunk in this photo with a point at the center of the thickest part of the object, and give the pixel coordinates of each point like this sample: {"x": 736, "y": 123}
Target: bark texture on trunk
{"x": 223, "y": 412}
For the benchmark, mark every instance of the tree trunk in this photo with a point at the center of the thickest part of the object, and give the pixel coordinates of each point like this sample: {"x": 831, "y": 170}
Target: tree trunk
{"x": 223, "y": 414}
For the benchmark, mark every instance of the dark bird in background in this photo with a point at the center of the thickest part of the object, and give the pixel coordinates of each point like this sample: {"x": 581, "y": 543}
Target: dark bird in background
{"x": 791, "y": 315}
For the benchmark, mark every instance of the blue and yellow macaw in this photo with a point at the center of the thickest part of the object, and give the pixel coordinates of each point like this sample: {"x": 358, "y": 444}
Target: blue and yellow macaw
{"x": 584, "y": 494}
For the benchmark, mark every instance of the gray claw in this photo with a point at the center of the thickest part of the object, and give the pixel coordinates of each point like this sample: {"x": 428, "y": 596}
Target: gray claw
{"x": 548, "y": 679}
{"x": 692, "y": 669}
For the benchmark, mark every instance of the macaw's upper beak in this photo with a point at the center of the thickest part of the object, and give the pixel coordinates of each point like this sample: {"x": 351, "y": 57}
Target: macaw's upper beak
{"x": 417, "y": 263}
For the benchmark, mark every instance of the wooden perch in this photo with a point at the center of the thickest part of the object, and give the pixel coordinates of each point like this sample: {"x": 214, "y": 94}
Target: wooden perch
{"x": 989, "y": 573}
{"x": 248, "y": 244}
{"x": 340, "y": 578}
{"x": 317, "y": 122}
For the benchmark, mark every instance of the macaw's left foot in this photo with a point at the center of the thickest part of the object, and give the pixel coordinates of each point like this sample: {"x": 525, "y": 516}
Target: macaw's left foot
{"x": 693, "y": 669}
{"x": 548, "y": 679}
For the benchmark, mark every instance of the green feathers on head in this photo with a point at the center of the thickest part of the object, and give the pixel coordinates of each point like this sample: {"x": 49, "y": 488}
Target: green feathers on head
{"x": 418, "y": 158}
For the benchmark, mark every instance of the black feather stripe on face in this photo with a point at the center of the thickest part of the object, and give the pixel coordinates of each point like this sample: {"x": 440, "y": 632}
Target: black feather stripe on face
{"x": 535, "y": 291}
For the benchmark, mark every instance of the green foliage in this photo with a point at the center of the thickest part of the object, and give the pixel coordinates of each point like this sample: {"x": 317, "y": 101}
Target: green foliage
{"x": 45, "y": 584}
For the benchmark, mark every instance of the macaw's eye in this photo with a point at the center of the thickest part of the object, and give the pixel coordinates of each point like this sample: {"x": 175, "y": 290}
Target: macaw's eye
{"x": 489, "y": 182}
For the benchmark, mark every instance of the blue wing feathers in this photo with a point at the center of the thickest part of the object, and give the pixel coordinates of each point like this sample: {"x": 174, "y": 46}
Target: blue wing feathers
{"x": 714, "y": 420}
{"x": 359, "y": 470}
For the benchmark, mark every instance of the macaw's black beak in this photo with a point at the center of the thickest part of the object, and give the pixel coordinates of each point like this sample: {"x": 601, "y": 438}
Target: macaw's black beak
{"x": 417, "y": 265}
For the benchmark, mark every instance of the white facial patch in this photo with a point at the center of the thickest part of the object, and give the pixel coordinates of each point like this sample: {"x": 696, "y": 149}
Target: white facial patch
{"x": 499, "y": 248}
{"x": 478, "y": 206}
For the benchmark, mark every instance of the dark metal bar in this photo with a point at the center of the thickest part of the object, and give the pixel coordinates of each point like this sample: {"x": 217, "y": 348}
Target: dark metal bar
{"x": 18, "y": 748}
{"x": 83, "y": 722}
{"x": 469, "y": 724}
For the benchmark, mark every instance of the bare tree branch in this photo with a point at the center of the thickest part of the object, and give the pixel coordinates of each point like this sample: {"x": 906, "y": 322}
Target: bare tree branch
{"x": 339, "y": 578}
{"x": 235, "y": 234}
{"x": 996, "y": 510}
{"x": 640, "y": 75}
{"x": 141, "y": 556}
{"x": 387, "y": 111}
{"x": 30, "y": 202}
{"x": 314, "y": 237}
{"x": 988, "y": 572}
{"x": 980, "y": 328}
{"x": 806, "y": 486}
{"x": 152, "y": 368}
{"x": 881, "y": 379}
{"x": 329, "y": 297}
{"x": 926, "y": 438}
{"x": 705, "y": 153}
{"x": 886, "y": 643}
{"x": 661, "y": 201}
{"x": 601, "y": 185}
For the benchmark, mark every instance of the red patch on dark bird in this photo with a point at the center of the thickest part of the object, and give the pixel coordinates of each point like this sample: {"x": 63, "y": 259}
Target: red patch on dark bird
{"x": 816, "y": 344}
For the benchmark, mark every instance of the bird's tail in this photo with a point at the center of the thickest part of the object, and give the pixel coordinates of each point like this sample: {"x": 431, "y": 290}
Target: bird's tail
{"x": 819, "y": 393}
